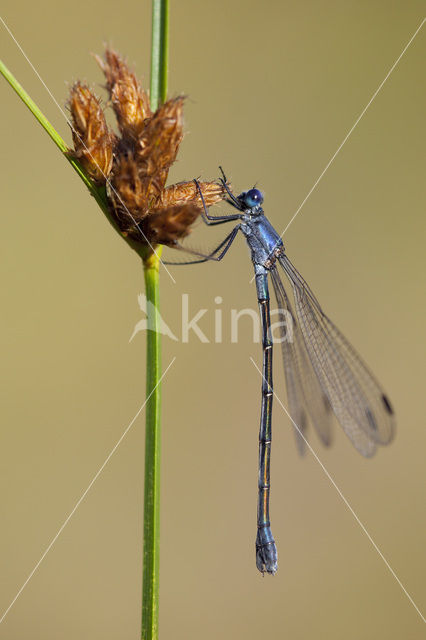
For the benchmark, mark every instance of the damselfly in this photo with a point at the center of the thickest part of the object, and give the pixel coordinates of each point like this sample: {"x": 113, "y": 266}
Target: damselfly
{"x": 323, "y": 372}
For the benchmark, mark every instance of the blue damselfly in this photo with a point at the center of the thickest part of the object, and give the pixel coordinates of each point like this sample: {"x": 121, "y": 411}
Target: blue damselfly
{"x": 323, "y": 372}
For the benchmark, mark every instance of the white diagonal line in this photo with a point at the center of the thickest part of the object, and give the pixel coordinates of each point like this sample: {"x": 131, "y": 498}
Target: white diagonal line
{"x": 353, "y": 127}
{"x": 88, "y": 151}
{"x": 84, "y": 494}
{"x": 356, "y": 122}
{"x": 346, "y": 502}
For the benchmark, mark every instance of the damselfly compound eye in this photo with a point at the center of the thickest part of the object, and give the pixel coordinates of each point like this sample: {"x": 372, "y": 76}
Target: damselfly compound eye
{"x": 253, "y": 197}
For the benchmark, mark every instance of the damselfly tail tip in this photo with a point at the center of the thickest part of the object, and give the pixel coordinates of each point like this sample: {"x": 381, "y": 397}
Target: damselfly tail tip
{"x": 266, "y": 552}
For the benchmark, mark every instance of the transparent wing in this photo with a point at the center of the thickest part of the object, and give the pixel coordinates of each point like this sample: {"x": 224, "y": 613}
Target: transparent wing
{"x": 303, "y": 389}
{"x": 355, "y": 396}
{"x": 202, "y": 255}
{"x": 181, "y": 255}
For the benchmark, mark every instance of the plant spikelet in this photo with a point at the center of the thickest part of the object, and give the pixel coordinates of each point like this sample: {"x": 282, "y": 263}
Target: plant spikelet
{"x": 130, "y": 102}
{"x": 93, "y": 143}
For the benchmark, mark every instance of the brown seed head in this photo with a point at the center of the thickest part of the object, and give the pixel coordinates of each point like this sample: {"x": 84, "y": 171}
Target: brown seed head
{"x": 129, "y": 100}
{"x": 93, "y": 143}
{"x": 127, "y": 192}
{"x": 183, "y": 192}
{"x": 167, "y": 226}
{"x": 176, "y": 209}
{"x": 158, "y": 145}
{"x": 138, "y": 163}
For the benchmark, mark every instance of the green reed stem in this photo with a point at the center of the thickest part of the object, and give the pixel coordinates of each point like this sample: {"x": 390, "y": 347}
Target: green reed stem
{"x": 99, "y": 193}
{"x": 151, "y": 528}
{"x": 159, "y": 52}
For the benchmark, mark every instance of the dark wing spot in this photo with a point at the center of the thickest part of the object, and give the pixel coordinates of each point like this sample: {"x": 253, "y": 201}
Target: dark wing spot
{"x": 371, "y": 419}
{"x": 326, "y": 403}
{"x": 387, "y": 404}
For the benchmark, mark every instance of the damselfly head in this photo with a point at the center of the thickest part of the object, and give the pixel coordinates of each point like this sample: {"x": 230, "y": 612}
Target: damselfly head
{"x": 251, "y": 199}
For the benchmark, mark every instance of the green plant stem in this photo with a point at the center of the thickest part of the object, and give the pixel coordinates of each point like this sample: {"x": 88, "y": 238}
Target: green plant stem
{"x": 159, "y": 52}
{"x": 60, "y": 143}
{"x": 151, "y": 527}
{"x": 99, "y": 193}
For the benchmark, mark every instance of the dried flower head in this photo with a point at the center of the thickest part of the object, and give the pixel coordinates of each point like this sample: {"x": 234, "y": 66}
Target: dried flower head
{"x": 158, "y": 145}
{"x": 138, "y": 163}
{"x": 176, "y": 209}
{"x": 129, "y": 100}
{"x": 126, "y": 191}
{"x": 166, "y": 226}
{"x": 93, "y": 143}
{"x": 182, "y": 192}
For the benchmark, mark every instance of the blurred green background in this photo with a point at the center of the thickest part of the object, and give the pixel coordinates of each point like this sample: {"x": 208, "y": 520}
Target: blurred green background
{"x": 272, "y": 89}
